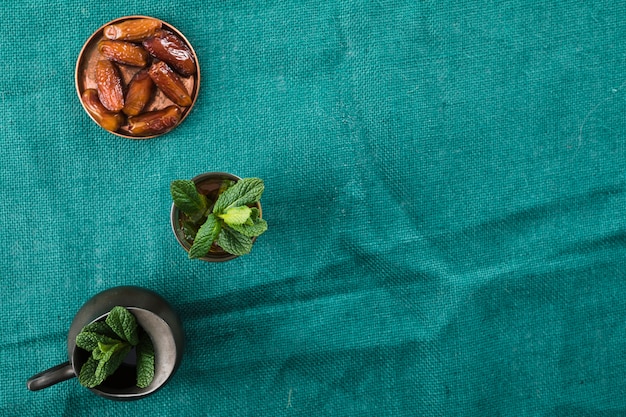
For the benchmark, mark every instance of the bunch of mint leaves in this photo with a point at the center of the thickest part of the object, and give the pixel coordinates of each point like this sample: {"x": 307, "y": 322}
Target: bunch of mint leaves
{"x": 230, "y": 222}
{"x": 109, "y": 342}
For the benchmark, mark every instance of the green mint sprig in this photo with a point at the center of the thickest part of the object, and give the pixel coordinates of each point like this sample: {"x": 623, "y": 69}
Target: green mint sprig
{"x": 109, "y": 342}
{"x": 231, "y": 223}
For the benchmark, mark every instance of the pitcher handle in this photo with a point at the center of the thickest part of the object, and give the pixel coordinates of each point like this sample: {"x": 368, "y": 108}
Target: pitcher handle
{"x": 51, "y": 376}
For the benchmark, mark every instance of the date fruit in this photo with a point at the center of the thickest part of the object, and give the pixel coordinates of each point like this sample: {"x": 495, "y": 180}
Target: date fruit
{"x": 154, "y": 122}
{"x": 132, "y": 30}
{"x": 109, "y": 85}
{"x": 138, "y": 93}
{"x": 124, "y": 53}
{"x": 170, "y": 84}
{"x": 168, "y": 47}
{"x": 106, "y": 119}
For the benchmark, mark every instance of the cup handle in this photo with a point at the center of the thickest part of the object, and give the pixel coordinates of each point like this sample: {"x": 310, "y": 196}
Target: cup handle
{"x": 49, "y": 377}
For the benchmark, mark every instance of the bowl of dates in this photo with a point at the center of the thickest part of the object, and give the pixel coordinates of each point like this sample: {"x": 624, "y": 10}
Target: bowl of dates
{"x": 137, "y": 77}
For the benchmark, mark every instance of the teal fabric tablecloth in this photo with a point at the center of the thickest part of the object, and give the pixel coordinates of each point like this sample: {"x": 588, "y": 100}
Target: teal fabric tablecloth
{"x": 445, "y": 192}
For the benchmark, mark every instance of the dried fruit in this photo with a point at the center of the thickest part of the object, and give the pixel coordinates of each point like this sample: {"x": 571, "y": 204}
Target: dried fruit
{"x": 135, "y": 91}
{"x": 109, "y": 84}
{"x": 139, "y": 93}
{"x": 168, "y": 47}
{"x": 154, "y": 122}
{"x": 124, "y": 53}
{"x": 171, "y": 85}
{"x": 105, "y": 118}
{"x": 132, "y": 30}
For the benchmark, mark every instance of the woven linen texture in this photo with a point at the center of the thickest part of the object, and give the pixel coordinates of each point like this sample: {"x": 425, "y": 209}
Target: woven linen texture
{"x": 444, "y": 193}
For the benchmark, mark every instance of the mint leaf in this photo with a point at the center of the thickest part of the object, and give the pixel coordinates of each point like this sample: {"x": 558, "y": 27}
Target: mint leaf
{"x": 205, "y": 237}
{"x": 100, "y": 327}
{"x": 87, "y": 376}
{"x": 114, "y": 361}
{"x": 244, "y": 192}
{"x": 236, "y": 215}
{"x": 187, "y": 198}
{"x": 104, "y": 351}
{"x": 123, "y": 324}
{"x": 99, "y": 355}
{"x": 190, "y": 229}
{"x": 257, "y": 227}
{"x": 145, "y": 361}
{"x": 90, "y": 340}
{"x": 233, "y": 242}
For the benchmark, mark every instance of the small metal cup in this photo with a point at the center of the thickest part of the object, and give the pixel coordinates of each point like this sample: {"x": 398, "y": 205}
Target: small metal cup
{"x": 176, "y": 215}
{"x": 153, "y": 314}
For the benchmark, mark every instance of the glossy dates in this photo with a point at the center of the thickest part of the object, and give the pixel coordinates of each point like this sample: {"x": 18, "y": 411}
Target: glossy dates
{"x": 132, "y": 30}
{"x": 171, "y": 49}
{"x": 171, "y": 85}
{"x": 109, "y": 83}
{"x": 124, "y": 53}
{"x": 133, "y": 91}
{"x": 139, "y": 92}
{"x": 107, "y": 119}
{"x": 154, "y": 122}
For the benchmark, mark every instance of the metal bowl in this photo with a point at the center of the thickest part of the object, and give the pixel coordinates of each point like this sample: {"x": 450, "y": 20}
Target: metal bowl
{"x": 89, "y": 56}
